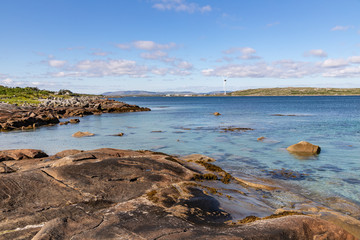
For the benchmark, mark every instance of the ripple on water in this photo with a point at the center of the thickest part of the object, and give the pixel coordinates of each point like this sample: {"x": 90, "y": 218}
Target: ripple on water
{"x": 330, "y": 167}
{"x": 352, "y": 180}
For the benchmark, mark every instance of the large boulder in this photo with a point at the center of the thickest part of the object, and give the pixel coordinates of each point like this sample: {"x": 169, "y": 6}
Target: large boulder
{"x": 304, "y": 148}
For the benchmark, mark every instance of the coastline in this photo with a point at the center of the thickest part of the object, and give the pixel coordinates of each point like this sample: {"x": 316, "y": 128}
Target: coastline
{"x": 236, "y": 200}
{"x": 105, "y": 190}
{"x": 50, "y": 111}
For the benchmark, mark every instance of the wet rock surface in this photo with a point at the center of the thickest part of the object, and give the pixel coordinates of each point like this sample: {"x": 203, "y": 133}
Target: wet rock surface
{"x": 50, "y": 111}
{"x": 123, "y": 194}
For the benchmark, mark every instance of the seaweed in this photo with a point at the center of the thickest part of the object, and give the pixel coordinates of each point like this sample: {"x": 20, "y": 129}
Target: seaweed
{"x": 250, "y": 219}
{"x": 151, "y": 196}
{"x": 206, "y": 176}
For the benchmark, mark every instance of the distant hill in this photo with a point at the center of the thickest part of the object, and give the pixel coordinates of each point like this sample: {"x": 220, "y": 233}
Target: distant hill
{"x": 297, "y": 91}
{"x": 147, "y": 93}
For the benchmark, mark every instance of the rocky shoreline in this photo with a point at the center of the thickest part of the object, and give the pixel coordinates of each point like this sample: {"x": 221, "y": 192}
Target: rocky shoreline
{"x": 51, "y": 110}
{"x": 123, "y": 194}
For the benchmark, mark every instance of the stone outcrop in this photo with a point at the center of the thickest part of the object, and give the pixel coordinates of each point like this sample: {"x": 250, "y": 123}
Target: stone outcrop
{"x": 19, "y": 154}
{"x": 74, "y": 120}
{"x": 123, "y": 194}
{"x": 304, "y": 148}
{"x": 216, "y": 113}
{"x": 50, "y": 111}
{"x": 80, "y": 134}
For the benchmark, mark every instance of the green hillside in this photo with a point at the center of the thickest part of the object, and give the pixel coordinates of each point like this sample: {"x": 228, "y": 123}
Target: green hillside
{"x": 297, "y": 91}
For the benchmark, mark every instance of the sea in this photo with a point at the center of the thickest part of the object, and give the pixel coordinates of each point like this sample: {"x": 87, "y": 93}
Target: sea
{"x": 186, "y": 125}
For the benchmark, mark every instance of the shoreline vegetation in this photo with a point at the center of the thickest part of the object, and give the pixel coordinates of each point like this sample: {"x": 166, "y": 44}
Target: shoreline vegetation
{"x": 143, "y": 194}
{"x": 29, "y": 108}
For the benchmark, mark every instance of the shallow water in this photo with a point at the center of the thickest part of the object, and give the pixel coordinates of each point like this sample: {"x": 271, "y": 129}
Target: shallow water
{"x": 186, "y": 125}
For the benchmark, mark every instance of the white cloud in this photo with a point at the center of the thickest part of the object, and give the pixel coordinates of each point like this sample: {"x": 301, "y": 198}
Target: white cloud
{"x": 287, "y": 69}
{"x": 334, "y": 63}
{"x": 171, "y": 71}
{"x": 354, "y": 59}
{"x": 7, "y": 81}
{"x": 185, "y": 65}
{"x": 340, "y": 28}
{"x": 56, "y": 63}
{"x": 100, "y": 54}
{"x": 122, "y": 67}
{"x": 249, "y": 57}
{"x": 160, "y": 71}
{"x": 278, "y": 69}
{"x": 154, "y": 55}
{"x": 316, "y": 53}
{"x": 123, "y": 46}
{"x": 180, "y": 6}
{"x": 151, "y": 46}
{"x": 247, "y": 53}
{"x": 111, "y": 68}
{"x": 206, "y": 8}
{"x": 343, "y": 72}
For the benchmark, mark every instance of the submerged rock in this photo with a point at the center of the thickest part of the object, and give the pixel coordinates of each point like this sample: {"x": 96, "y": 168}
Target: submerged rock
{"x": 235, "y": 129}
{"x": 64, "y": 123}
{"x": 74, "y": 120}
{"x": 119, "y": 134}
{"x": 305, "y": 148}
{"x": 198, "y": 157}
{"x": 217, "y": 113}
{"x": 83, "y": 134}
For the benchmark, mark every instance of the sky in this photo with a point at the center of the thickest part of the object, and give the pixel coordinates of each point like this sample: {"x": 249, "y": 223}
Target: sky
{"x": 96, "y": 46}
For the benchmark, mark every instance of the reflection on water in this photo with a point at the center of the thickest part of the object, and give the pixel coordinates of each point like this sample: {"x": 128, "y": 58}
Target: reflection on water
{"x": 184, "y": 126}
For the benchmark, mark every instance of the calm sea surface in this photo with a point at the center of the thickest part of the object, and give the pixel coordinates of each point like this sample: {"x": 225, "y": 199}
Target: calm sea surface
{"x": 186, "y": 125}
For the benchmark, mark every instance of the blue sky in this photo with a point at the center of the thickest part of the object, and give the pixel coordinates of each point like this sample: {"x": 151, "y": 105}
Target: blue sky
{"x": 97, "y": 46}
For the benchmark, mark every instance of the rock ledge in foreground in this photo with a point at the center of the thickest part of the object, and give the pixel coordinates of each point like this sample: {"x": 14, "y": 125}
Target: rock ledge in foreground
{"x": 110, "y": 193}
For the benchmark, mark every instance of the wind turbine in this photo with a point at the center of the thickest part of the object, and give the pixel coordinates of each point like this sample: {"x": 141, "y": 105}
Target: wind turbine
{"x": 225, "y": 87}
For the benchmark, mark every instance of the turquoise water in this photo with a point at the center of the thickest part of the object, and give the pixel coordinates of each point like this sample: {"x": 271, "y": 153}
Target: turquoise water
{"x": 186, "y": 125}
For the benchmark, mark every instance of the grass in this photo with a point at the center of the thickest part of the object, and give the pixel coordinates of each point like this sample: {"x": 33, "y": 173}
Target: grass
{"x": 30, "y": 95}
{"x": 297, "y": 91}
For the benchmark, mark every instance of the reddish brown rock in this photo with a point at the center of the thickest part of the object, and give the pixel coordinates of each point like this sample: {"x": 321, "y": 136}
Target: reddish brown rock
{"x": 112, "y": 194}
{"x": 19, "y": 154}
{"x": 83, "y": 134}
{"x": 119, "y": 134}
{"x": 74, "y": 120}
{"x": 26, "y": 117}
{"x": 305, "y": 148}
